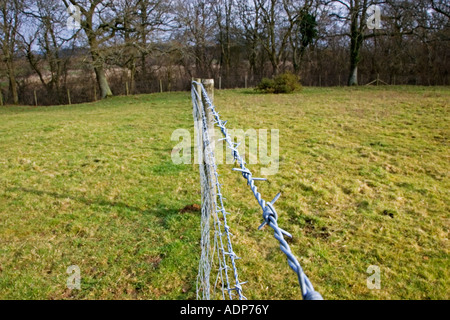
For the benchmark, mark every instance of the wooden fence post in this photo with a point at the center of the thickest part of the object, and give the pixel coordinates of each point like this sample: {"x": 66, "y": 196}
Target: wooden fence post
{"x": 206, "y": 170}
{"x": 209, "y": 87}
{"x": 208, "y": 84}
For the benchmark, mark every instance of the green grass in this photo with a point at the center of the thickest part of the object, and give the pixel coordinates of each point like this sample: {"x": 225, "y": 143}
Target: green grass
{"x": 363, "y": 172}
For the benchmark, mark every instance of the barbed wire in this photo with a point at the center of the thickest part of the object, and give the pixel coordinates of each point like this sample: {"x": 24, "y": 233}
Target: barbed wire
{"x": 270, "y": 216}
{"x": 210, "y": 181}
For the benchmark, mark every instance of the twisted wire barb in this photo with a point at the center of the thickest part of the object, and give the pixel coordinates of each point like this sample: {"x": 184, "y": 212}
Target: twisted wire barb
{"x": 270, "y": 216}
{"x": 219, "y": 207}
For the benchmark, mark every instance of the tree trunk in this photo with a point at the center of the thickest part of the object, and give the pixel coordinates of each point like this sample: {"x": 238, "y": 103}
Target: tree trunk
{"x": 275, "y": 67}
{"x": 353, "y": 78}
{"x": 99, "y": 69}
{"x": 295, "y": 61}
{"x": 356, "y": 41}
{"x": 355, "y": 57}
{"x": 102, "y": 82}
{"x": 133, "y": 76}
{"x": 12, "y": 82}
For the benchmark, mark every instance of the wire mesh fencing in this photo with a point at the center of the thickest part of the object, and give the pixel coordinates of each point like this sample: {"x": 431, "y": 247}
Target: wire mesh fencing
{"x": 218, "y": 275}
{"x": 218, "y": 256}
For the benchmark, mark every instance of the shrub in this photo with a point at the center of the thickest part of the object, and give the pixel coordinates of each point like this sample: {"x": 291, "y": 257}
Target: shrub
{"x": 283, "y": 83}
{"x": 287, "y": 83}
{"x": 266, "y": 85}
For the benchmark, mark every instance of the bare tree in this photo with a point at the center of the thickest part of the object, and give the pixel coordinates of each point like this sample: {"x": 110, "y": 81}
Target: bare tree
{"x": 355, "y": 14}
{"x": 197, "y": 31}
{"x": 224, "y": 13}
{"x": 100, "y": 22}
{"x": 277, "y": 22}
{"x": 145, "y": 21}
{"x": 304, "y": 29}
{"x": 49, "y": 41}
{"x": 10, "y": 23}
{"x": 249, "y": 17}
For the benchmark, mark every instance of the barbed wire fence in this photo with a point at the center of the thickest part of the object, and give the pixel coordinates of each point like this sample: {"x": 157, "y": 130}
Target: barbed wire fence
{"x": 218, "y": 255}
{"x": 213, "y": 222}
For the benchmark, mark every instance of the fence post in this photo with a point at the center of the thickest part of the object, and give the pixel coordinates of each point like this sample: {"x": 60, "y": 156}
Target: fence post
{"x": 220, "y": 83}
{"x": 197, "y": 118}
{"x": 208, "y": 84}
{"x": 209, "y": 87}
{"x": 198, "y": 88}
{"x": 160, "y": 86}
{"x": 206, "y": 170}
{"x": 1, "y": 98}
{"x": 127, "y": 90}
{"x": 68, "y": 96}
{"x": 35, "y": 98}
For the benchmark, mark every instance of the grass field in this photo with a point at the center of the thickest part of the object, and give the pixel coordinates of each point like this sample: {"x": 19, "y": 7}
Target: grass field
{"x": 363, "y": 172}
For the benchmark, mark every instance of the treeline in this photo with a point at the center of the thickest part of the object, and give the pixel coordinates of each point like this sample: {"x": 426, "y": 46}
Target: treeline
{"x": 61, "y": 51}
